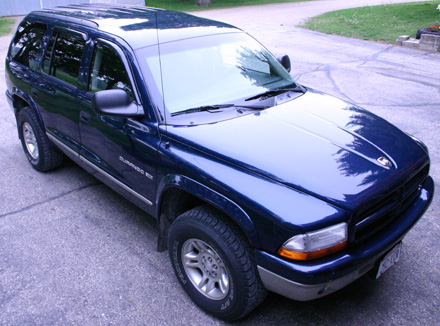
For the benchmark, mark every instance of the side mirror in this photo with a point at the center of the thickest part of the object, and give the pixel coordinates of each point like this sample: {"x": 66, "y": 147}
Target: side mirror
{"x": 285, "y": 62}
{"x": 115, "y": 102}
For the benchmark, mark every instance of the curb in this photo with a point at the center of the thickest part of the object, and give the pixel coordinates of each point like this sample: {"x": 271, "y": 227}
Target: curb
{"x": 427, "y": 42}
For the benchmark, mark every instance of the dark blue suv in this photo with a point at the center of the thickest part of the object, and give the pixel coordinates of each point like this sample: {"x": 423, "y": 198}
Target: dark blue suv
{"x": 257, "y": 183}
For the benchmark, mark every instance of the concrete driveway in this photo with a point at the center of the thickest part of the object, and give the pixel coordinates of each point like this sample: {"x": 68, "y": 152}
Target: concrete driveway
{"x": 73, "y": 252}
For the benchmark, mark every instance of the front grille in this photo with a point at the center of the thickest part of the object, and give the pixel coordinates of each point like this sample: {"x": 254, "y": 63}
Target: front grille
{"x": 388, "y": 209}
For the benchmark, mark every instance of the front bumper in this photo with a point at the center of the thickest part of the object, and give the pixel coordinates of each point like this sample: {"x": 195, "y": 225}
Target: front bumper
{"x": 306, "y": 292}
{"x": 305, "y": 281}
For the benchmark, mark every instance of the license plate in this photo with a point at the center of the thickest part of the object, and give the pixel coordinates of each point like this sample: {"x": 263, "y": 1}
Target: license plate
{"x": 389, "y": 260}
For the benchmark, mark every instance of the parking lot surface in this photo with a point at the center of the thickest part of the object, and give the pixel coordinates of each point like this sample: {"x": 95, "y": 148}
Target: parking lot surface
{"x": 73, "y": 252}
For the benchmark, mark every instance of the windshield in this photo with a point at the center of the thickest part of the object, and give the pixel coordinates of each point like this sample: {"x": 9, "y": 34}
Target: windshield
{"x": 213, "y": 70}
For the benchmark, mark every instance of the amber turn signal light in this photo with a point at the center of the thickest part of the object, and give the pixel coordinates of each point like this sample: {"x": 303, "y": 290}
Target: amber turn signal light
{"x": 310, "y": 255}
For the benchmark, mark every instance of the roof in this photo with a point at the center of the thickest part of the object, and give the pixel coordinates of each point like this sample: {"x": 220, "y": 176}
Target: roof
{"x": 139, "y": 26}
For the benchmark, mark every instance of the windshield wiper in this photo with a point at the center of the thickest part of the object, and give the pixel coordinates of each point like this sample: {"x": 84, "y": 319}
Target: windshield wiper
{"x": 203, "y": 108}
{"x": 276, "y": 91}
{"x": 217, "y": 107}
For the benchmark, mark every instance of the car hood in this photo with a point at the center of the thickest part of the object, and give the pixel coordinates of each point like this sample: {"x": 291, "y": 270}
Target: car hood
{"x": 315, "y": 143}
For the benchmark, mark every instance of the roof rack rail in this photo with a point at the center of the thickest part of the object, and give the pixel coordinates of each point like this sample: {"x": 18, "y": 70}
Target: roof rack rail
{"x": 70, "y": 19}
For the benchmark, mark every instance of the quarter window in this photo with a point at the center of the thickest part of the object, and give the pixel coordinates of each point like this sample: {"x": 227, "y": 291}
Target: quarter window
{"x": 27, "y": 44}
{"x": 108, "y": 71}
{"x": 63, "y": 56}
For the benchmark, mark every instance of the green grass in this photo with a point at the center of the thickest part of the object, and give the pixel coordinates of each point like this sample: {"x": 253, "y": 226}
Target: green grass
{"x": 189, "y": 5}
{"x": 5, "y": 26}
{"x": 379, "y": 23}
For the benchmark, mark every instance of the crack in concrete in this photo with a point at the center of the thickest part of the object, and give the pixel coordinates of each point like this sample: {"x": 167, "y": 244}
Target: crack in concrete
{"x": 362, "y": 64}
{"x": 326, "y": 68}
{"x": 375, "y": 56}
{"x": 50, "y": 199}
{"x": 333, "y": 81}
{"x": 409, "y": 77}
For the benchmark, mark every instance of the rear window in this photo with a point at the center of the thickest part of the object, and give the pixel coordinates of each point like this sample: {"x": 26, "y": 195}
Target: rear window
{"x": 26, "y": 46}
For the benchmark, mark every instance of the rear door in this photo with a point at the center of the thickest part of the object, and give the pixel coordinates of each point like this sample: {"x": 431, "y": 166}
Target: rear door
{"x": 24, "y": 58}
{"x": 57, "y": 93}
{"x": 121, "y": 148}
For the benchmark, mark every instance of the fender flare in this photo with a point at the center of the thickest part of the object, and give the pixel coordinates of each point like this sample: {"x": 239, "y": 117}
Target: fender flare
{"x": 16, "y": 92}
{"x": 212, "y": 197}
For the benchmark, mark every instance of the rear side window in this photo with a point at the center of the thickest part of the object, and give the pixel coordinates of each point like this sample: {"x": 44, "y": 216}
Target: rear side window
{"x": 27, "y": 43}
{"x": 63, "y": 56}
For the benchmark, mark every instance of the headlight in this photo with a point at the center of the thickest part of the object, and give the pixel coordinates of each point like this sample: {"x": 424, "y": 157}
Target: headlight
{"x": 315, "y": 244}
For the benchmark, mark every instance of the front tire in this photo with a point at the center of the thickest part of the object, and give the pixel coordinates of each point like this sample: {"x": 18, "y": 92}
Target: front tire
{"x": 214, "y": 264}
{"x": 40, "y": 152}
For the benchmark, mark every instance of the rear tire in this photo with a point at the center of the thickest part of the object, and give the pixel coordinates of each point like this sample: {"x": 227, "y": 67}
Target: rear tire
{"x": 214, "y": 264}
{"x": 40, "y": 152}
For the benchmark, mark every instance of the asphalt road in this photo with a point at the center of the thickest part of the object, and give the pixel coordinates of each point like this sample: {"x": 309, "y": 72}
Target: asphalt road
{"x": 73, "y": 252}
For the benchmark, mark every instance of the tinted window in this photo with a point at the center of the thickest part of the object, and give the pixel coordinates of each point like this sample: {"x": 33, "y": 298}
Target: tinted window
{"x": 27, "y": 44}
{"x": 63, "y": 56}
{"x": 108, "y": 71}
{"x": 48, "y": 54}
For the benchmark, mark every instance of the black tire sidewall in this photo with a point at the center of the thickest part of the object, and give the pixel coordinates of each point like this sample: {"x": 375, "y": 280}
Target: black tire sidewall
{"x": 226, "y": 308}
{"x": 26, "y": 115}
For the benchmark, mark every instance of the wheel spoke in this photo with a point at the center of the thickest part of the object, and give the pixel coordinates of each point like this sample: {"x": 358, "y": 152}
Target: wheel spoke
{"x": 203, "y": 282}
{"x": 192, "y": 258}
{"x": 210, "y": 286}
{"x": 192, "y": 255}
{"x": 191, "y": 263}
{"x": 223, "y": 283}
{"x": 199, "y": 246}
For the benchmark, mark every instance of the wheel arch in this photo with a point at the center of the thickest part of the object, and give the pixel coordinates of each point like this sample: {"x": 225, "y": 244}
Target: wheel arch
{"x": 20, "y": 100}
{"x": 177, "y": 194}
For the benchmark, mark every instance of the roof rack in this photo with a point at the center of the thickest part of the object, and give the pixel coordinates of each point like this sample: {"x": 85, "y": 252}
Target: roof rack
{"x": 70, "y": 19}
{"x": 78, "y": 13}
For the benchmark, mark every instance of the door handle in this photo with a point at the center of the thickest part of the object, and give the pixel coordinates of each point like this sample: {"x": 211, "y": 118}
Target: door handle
{"x": 34, "y": 92}
{"x": 84, "y": 116}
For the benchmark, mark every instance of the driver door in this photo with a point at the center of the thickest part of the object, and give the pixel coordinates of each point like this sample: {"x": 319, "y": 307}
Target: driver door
{"x": 121, "y": 149}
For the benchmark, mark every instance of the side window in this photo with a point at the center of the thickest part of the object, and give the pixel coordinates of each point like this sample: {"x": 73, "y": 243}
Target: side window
{"x": 27, "y": 44}
{"x": 108, "y": 71}
{"x": 63, "y": 56}
{"x": 48, "y": 55}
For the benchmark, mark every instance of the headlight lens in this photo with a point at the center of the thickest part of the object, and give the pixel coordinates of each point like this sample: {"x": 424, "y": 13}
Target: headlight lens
{"x": 315, "y": 244}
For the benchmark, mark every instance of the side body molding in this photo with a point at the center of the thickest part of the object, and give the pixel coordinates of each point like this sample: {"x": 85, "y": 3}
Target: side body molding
{"x": 105, "y": 177}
